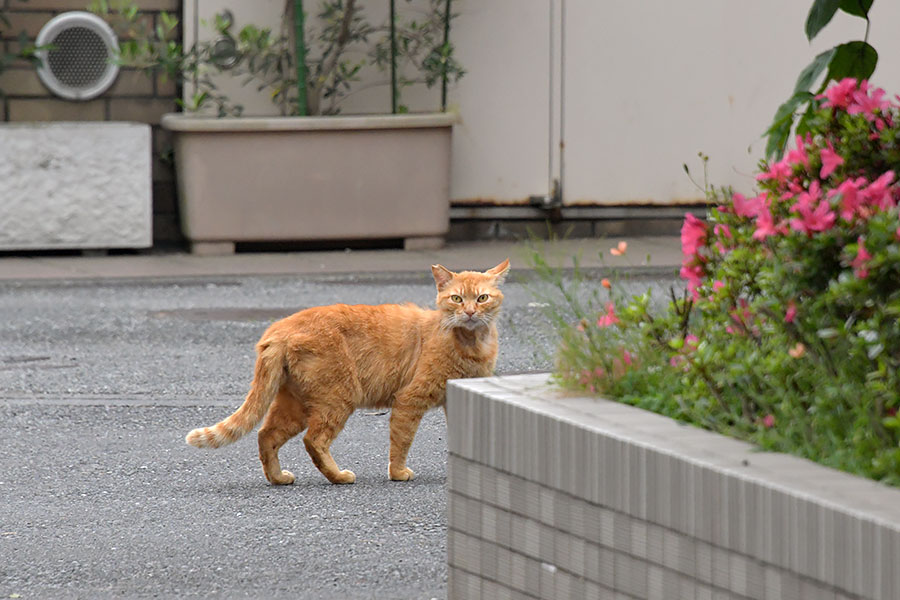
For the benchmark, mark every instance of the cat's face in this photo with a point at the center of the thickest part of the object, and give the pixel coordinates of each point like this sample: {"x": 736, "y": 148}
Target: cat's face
{"x": 469, "y": 299}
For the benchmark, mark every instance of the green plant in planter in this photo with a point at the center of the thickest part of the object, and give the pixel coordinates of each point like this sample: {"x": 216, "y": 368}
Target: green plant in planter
{"x": 337, "y": 47}
{"x": 788, "y": 333}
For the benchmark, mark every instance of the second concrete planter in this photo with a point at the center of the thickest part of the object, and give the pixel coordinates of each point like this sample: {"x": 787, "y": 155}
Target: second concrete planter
{"x": 312, "y": 178}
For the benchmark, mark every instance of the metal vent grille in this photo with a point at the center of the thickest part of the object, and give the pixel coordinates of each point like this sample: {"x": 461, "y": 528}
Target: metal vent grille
{"x": 79, "y": 57}
{"x": 77, "y": 65}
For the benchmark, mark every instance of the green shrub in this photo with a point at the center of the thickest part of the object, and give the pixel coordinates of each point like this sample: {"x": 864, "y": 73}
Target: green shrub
{"x": 788, "y": 332}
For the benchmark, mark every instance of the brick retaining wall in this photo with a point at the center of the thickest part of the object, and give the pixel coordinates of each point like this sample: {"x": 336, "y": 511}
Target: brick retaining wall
{"x": 555, "y": 496}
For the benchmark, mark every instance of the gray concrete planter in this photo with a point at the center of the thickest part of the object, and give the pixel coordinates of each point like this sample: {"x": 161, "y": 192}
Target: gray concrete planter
{"x": 312, "y": 178}
{"x": 75, "y": 186}
{"x": 558, "y": 496}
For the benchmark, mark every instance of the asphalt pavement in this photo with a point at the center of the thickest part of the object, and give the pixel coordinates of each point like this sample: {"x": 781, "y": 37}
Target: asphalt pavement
{"x": 106, "y": 363}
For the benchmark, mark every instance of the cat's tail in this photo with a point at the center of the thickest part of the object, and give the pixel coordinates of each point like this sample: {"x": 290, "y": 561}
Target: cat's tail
{"x": 267, "y": 380}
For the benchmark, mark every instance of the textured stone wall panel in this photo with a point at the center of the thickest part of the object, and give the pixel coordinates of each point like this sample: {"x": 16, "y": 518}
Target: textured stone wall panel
{"x": 75, "y": 185}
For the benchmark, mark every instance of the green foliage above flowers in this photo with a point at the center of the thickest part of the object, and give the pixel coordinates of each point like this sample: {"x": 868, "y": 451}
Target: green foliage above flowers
{"x": 856, "y": 59}
{"x": 788, "y": 334}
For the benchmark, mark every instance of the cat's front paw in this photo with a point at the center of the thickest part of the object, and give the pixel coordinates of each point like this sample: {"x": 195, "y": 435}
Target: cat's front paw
{"x": 404, "y": 474}
{"x": 286, "y": 478}
{"x": 345, "y": 476}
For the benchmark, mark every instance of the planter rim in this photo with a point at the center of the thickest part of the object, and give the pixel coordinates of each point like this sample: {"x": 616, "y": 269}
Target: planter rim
{"x": 186, "y": 122}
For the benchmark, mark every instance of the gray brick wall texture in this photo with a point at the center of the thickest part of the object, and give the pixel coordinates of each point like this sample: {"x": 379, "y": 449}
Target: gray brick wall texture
{"x": 553, "y": 496}
{"x": 133, "y": 97}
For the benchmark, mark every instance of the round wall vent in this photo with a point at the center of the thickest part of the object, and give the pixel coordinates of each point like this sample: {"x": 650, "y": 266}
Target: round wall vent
{"x": 78, "y": 64}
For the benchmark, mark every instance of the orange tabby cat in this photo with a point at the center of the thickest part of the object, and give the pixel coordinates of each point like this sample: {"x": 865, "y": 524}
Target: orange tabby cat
{"x": 317, "y": 366}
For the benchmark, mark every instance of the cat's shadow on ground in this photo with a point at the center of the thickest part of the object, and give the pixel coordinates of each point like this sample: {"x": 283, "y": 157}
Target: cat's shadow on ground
{"x": 318, "y": 484}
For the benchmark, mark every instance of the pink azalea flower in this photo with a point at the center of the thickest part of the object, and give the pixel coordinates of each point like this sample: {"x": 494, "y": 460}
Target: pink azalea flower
{"x": 609, "y": 318}
{"x": 878, "y": 194}
{"x": 897, "y": 234}
{"x": 862, "y": 257}
{"x": 765, "y": 225}
{"x": 798, "y": 155}
{"x": 840, "y": 94}
{"x": 769, "y": 421}
{"x": 808, "y": 198}
{"x": 694, "y": 275}
{"x": 626, "y": 356}
{"x": 723, "y": 230}
{"x": 830, "y": 161}
{"x": 692, "y": 340}
{"x": 866, "y": 104}
{"x": 820, "y": 218}
{"x": 693, "y": 235}
{"x": 791, "y": 312}
{"x": 744, "y": 207}
{"x": 793, "y": 189}
{"x": 717, "y": 285}
{"x": 779, "y": 171}
{"x": 850, "y": 197}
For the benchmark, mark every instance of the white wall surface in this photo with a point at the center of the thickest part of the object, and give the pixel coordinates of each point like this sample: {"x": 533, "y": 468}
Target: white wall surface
{"x": 647, "y": 85}
{"x": 651, "y": 83}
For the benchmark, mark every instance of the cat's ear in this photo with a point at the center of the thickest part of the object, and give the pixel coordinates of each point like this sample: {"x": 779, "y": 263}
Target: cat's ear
{"x": 442, "y": 276}
{"x": 499, "y": 272}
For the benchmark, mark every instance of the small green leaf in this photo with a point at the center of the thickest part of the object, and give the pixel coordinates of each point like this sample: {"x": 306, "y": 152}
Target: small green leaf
{"x": 780, "y": 129}
{"x": 820, "y": 13}
{"x": 813, "y": 70}
{"x": 858, "y": 8}
{"x": 853, "y": 59}
{"x": 803, "y": 124}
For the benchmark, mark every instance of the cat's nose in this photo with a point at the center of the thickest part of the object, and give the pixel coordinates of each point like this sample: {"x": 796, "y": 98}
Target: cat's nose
{"x": 470, "y": 311}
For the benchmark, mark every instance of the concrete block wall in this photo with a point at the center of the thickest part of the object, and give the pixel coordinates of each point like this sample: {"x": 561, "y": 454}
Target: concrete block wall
{"x": 133, "y": 97}
{"x": 557, "y": 496}
{"x": 75, "y": 185}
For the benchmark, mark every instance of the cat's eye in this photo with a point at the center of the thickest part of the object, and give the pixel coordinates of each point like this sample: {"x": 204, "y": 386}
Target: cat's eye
{"x": 456, "y": 298}
{"x": 483, "y": 298}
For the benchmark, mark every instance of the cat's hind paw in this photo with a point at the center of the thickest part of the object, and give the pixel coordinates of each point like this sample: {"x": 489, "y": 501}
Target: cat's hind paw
{"x": 404, "y": 474}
